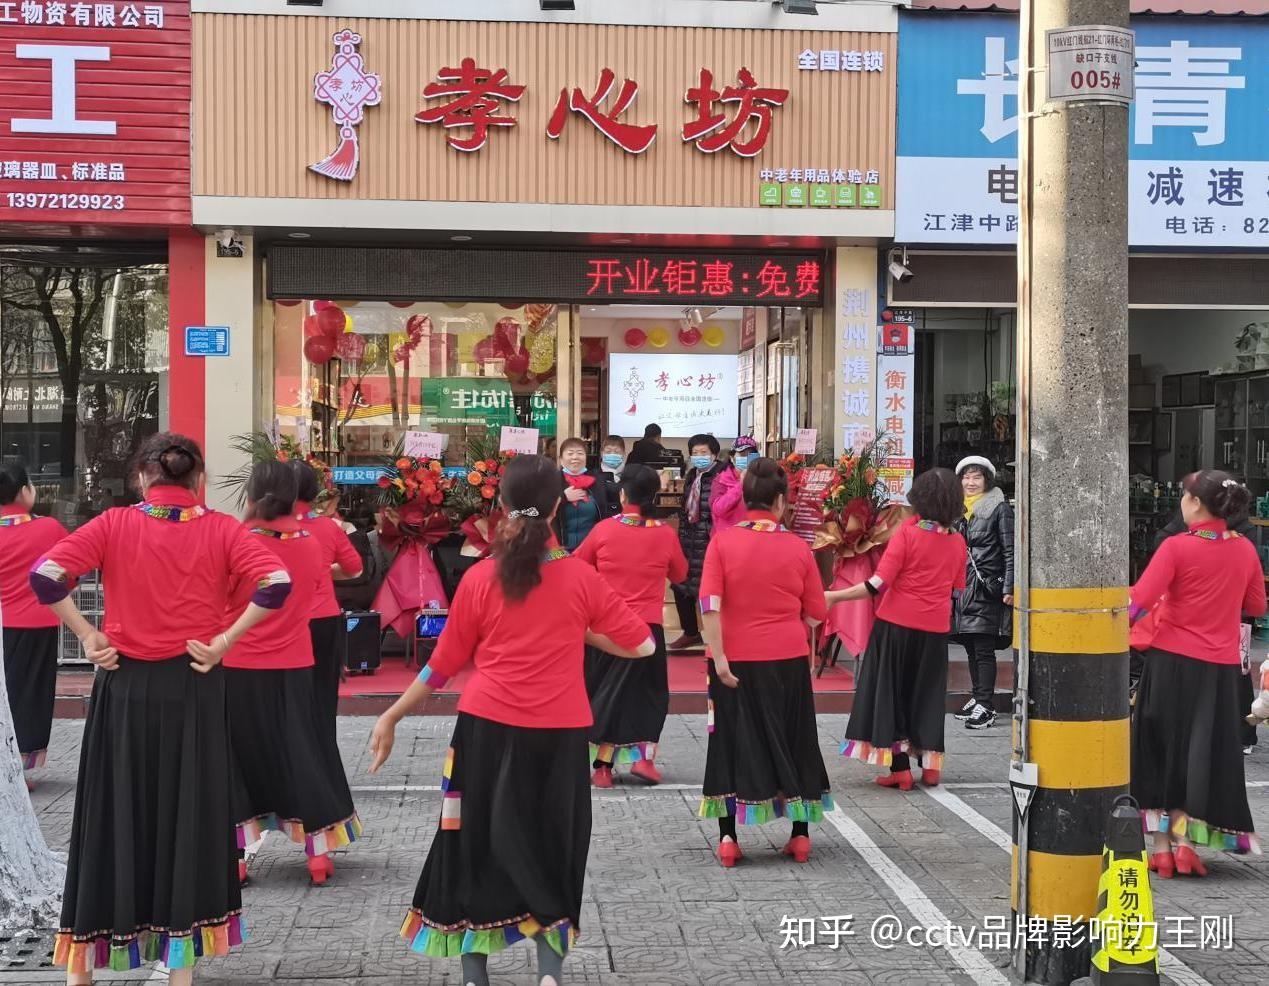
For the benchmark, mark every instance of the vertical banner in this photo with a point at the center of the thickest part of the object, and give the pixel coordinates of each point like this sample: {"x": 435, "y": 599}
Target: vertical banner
{"x": 895, "y": 376}
{"x": 855, "y": 348}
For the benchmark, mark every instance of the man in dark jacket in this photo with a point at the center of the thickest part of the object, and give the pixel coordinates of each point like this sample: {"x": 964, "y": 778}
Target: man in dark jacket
{"x": 695, "y": 527}
{"x": 648, "y": 450}
{"x": 982, "y": 616}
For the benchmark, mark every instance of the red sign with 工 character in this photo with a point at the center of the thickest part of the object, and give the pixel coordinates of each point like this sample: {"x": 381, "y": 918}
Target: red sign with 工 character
{"x": 728, "y": 278}
{"x": 94, "y": 127}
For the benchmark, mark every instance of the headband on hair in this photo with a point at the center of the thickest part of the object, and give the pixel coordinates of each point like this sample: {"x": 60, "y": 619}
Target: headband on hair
{"x": 1230, "y": 482}
{"x": 526, "y": 512}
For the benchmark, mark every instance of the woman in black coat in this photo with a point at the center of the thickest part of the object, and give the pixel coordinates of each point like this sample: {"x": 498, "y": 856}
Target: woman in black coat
{"x": 982, "y": 617}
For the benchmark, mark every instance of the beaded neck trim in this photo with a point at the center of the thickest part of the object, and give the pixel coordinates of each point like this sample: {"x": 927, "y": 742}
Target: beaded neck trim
{"x": 634, "y": 520}
{"x": 13, "y": 520}
{"x": 929, "y": 525}
{"x": 313, "y": 515}
{"x": 1215, "y": 535}
{"x": 177, "y": 515}
{"x": 765, "y": 526}
{"x": 555, "y": 554}
{"x": 280, "y": 535}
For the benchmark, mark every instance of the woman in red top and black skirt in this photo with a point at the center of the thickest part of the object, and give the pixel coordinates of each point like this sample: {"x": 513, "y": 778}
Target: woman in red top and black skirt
{"x": 1187, "y": 763}
{"x": 509, "y": 859}
{"x": 636, "y": 555}
{"x": 760, "y": 589}
{"x": 899, "y": 701}
{"x": 326, "y": 625}
{"x": 289, "y": 774}
{"x": 151, "y": 875}
{"x": 30, "y": 630}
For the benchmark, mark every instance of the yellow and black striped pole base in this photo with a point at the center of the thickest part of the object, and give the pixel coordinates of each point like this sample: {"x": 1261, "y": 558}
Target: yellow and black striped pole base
{"x": 1078, "y": 738}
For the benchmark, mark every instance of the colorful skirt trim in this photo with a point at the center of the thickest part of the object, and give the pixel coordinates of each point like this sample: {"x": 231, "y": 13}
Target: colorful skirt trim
{"x": 883, "y": 756}
{"x": 1200, "y": 833}
{"x": 34, "y": 760}
{"x": 315, "y": 843}
{"x": 618, "y": 753}
{"x": 762, "y": 812}
{"x": 446, "y": 941}
{"x": 176, "y": 950}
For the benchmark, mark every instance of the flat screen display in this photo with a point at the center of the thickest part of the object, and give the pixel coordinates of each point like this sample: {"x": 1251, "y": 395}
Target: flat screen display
{"x": 685, "y": 395}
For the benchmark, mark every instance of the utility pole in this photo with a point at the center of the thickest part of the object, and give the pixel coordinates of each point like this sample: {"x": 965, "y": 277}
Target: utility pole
{"x": 1071, "y": 705}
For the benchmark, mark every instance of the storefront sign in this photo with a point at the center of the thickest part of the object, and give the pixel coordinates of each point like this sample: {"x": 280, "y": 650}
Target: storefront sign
{"x": 206, "y": 340}
{"x": 424, "y": 444}
{"x": 522, "y": 441}
{"x": 487, "y": 401}
{"x": 835, "y": 60}
{"x": 357, "y": 475}
{"x": 1198, "y": 173}
{"x": 820, "y": 187}
{"x": 856, "y": 348}
{"x": 894, "y": 339}
{"x": 896, "y": 378}
{"x": 1089, "y": 64}
{"x": 348, "y": 89}
{"x": 96, "y": 124}
{"x": 685, "y": 395}
{"x": 648, "y": 277}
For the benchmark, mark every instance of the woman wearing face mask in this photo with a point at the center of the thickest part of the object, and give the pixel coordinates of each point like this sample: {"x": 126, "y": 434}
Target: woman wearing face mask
{"x": 695, "y": 527}
{"x": 586, "y": 501}
{"x": 152, "y": 874}
{"x": 612, "y": 462}
{"x": 728, "y": 506}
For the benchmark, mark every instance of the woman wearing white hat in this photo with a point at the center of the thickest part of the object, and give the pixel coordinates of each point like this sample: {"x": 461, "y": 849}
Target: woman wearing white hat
{"x": 982, "y": 617}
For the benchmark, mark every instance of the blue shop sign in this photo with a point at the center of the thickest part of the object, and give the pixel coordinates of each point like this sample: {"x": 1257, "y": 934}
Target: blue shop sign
{"x": 206, "y": 340}
{"x": 1198, "y": 132}
{"x": 357, "y": 475}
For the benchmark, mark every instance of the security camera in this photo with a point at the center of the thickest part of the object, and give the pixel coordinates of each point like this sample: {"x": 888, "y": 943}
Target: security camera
{"x": 900, "y": 270}
{"x": 226, "y": 238}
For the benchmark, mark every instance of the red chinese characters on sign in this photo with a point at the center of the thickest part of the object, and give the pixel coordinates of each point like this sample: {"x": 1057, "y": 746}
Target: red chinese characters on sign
{"x": 711, "y": 131}
{"x": 630, "y": 137}
{"x": 475, "y": 104}
{"x": 95, "y": 121}
{"x": 758, "y": 278}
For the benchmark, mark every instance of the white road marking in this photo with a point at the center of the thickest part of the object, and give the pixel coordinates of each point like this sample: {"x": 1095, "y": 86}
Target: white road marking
{"x": 972, "y": 961}
{"x": 415, "y": 788}
{"x": 1174, "y": 968}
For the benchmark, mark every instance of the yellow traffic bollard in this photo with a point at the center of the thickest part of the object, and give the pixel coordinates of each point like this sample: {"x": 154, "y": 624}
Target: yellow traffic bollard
{"x": 1125, "y": 935}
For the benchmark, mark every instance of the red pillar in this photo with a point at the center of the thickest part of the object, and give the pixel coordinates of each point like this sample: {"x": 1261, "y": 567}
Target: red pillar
{"x": 187, "y": 385}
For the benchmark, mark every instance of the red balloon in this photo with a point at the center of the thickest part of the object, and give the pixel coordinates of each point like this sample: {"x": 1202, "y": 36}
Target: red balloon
{"x": 689, "y": 337}
{"x": 288, "y": 302}
{"x": 312, "y": 327}
{"x": 635, "y": 338}
{"x": 510, "y": 308}
{"x": 321, "y": 306}
{"x": 331, "y": 321}
{"x": 401, "y": 304}
{"x": 319, "y": 349}
{"x": 350, "y": 346}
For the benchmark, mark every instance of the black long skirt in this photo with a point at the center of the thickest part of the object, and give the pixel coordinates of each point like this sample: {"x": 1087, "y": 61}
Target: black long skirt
{"x": 328, "y": 658}
{"x": 629, "y": 701}
{"x": 152, "y": 873}
{"x": 899, "y": 701}
{"x": 1187, "y": 762}
{"x": 509, "y": 857}
{"x": 30, "y": 675}
{"x": 763, "y": 760}
{"x": 288, "y": 775}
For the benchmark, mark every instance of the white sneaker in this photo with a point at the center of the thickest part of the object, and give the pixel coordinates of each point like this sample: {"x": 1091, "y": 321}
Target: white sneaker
{"x": 981, "y": 718}
{"x": 966, "y": 711}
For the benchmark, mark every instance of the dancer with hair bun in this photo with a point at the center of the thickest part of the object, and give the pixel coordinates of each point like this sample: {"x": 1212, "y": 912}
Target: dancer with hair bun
{"x": 151, "y": 875}
{"x": 760, "y": 589}
{"x": 30, "y": 630}
{"x": 636, "y": 555}
{"x": 1187, "y": 764}
{"x": 509, "y": 858}
{"x": 289, "y": 776}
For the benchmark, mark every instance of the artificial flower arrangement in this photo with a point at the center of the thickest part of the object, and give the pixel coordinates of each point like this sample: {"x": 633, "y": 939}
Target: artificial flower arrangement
{"x": 474, "y": 501}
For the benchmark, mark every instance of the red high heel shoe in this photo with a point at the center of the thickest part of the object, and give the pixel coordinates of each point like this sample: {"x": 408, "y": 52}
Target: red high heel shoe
{"x": 799, "y": 847}
{"x": 646, "y": 770}
{"x": 602, "y": 777}
{"x": 902, "y": 780}
{"x": 931, "y": 777}
{"x": 320, "y": 869}
{"x": 242, "y": 872}
{"x": 729, "y": 853}
{"x": 1188, "y": 862}
{"x": 1163, "y": 864}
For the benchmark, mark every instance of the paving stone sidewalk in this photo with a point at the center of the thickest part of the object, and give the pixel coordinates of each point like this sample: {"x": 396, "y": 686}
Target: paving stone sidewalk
{"x": 659, "y": 911}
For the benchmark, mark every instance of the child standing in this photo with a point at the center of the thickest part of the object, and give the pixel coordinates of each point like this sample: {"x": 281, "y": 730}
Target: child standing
{"x": 898, "y": 711}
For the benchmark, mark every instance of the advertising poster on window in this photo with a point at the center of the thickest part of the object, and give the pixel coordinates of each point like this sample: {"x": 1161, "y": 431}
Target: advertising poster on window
{"x": 895, "y": 377}
{"x": 685, "y": 395}
{"x": 1198, "y": 148}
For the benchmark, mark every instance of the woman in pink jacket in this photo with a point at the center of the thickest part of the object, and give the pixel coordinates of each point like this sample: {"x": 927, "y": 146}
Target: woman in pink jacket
{"x": 726, "y": 501}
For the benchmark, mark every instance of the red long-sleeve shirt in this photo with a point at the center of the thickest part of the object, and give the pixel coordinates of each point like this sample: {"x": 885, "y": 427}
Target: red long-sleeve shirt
{"x": 921, "y": 568}
{"x": 764, "y": 583}
{"x": 23, "y": 540}
{"x": 636, "y": 557}
{"x": 166, "y": 581}
{"x": 1207, "y": 579}
{"x": 336, "y": 548}
{"x": 282, "y": 640}
{"x": 528, "y": 654}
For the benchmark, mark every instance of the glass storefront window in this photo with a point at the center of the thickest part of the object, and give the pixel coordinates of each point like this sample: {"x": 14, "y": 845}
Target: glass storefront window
{"x": 83, "y": 375}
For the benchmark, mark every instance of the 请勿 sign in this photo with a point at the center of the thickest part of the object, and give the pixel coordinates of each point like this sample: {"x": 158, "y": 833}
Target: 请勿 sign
{"x": 205, "y": 340}
{"x": 1089, "y": 64}
{"x": 1198, "y": 172}
{"x": 95, "y": 116}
